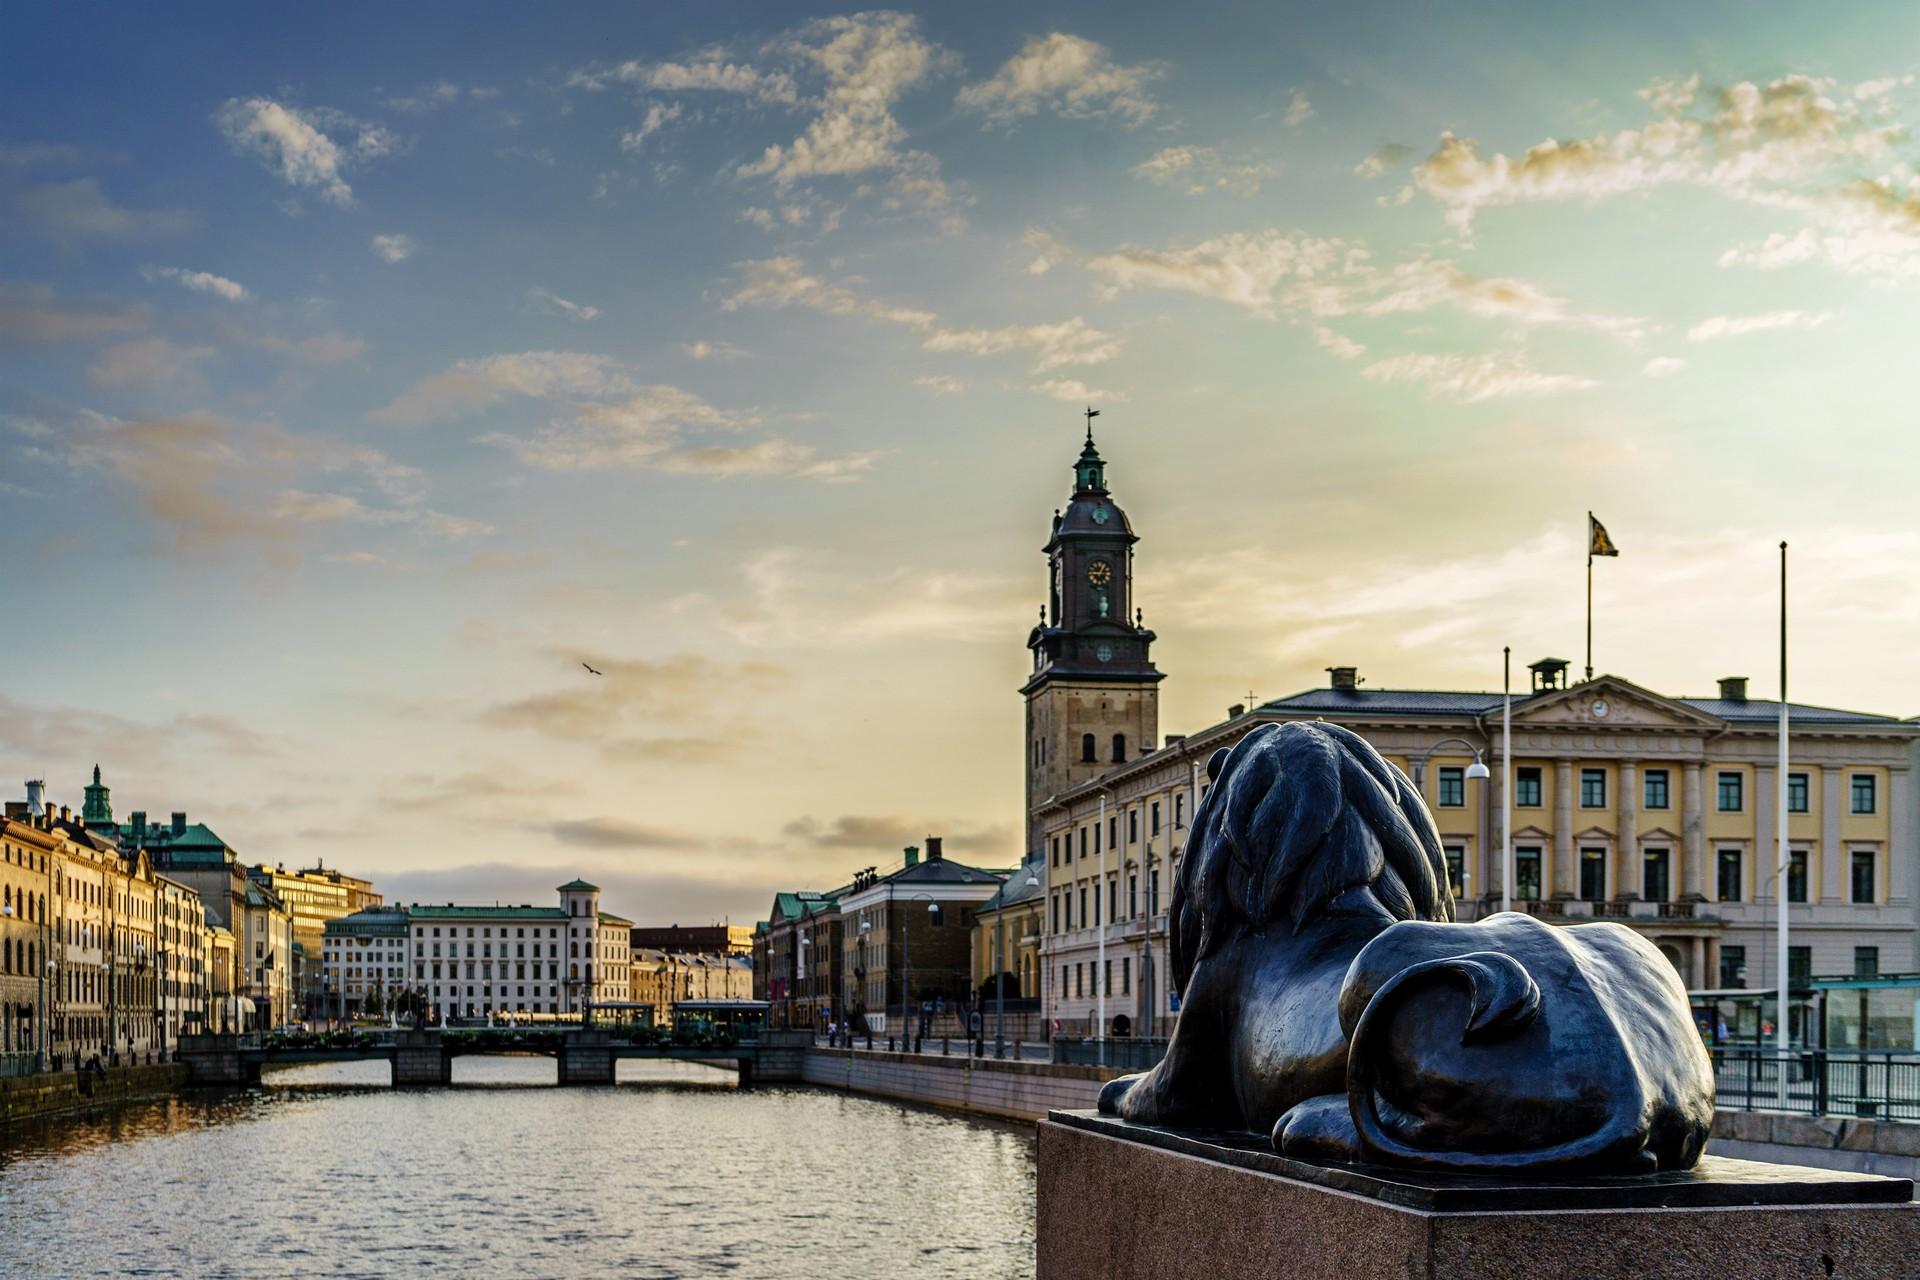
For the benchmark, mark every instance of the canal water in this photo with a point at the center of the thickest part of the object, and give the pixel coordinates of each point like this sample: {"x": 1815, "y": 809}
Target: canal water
{"x": 672, "y": 1172}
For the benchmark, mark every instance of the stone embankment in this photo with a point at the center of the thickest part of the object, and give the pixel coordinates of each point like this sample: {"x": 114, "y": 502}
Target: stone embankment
{"x": 1890, "y": 1147}
{"x": 27, "y": 1097}
{"x": 984, "y": 1086}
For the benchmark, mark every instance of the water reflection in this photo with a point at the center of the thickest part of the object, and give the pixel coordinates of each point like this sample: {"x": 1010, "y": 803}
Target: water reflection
{"x": 673, "y": 1172}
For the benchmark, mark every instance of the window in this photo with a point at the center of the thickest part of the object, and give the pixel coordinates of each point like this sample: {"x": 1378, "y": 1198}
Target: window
{"x": 1113, "y": 899}
{"x": 1133, "y": 826}
{"x": 1113, "y": 832}
{"x": 1863, "y": 793}
{"x": 1083, "y": 906}
{"x": 1593, "y": 788}
{"x": 1864, "y": 880}
{"x": 1655, "y": 874}
{"x": 1526, "y": 787}
{"x": 1153, "y": 818}
{"x": 1526, "y": 871}
{"x": 1796, "y": 793}
{"x": 1655, "y": 793}
{"x": 1797, "y": 876}
{"x": 1126, "y": 976}
{"x": 1106, "y": 977}
{"x": 1799, "y": 966}
{"x": 1119, "y": 748}
{"x": 1056, "y": 913}
{"x": 1730, "y": 784}
{"x": 1729, "y": 874}
{"x": 1593, "y": 874}
{"x": 1179, "y": 807}
{"x": 1866, "y": 962}
{"x": 1456, "y": 869}
{"x": 1087, "y": 755}
{"x": 1453, "y": 787}
{"x": 1733, "y": 967}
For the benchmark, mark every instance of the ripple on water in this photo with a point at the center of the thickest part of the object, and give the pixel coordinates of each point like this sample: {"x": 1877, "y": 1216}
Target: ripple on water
{"x": 673, "y": 1173}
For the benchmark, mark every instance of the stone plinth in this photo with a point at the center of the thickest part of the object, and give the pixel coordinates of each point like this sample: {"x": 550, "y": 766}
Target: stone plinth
{"x": 586, "y": 1057}
{"x": 420, "y": 1057}
{"x": 1127, "y": 1202}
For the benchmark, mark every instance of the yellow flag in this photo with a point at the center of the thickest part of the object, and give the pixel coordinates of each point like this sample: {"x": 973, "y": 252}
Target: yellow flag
{"x": 1598, "y": 543}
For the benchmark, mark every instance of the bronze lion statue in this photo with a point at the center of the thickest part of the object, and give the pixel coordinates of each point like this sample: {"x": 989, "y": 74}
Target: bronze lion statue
{"x": 1330, "y": 999}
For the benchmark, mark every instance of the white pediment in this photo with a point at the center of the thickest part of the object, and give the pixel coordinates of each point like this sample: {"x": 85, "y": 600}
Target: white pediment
{"x": 1609, "y": 702}
{"x": 1659, "y": 835}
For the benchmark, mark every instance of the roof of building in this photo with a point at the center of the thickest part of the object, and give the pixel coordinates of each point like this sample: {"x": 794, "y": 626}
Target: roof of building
{"x": 1440, "y": 702}
{"x": 449, "y": 911}
{"x": 1015, "y": 890}
{"x": 607, "y": 917}
{"x": 577, "y": 884}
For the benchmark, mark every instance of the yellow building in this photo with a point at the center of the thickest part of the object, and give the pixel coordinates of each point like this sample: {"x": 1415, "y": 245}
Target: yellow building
{"x": 1006, "y": 936}
{"x": 1629, "y": 805}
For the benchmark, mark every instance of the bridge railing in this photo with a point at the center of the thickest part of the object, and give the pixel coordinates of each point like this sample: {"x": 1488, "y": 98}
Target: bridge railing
{"x": 1879, "y": 1083}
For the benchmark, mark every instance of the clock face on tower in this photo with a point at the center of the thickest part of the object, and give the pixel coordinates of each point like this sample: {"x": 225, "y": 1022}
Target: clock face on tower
{"x": 1099, "y": 573}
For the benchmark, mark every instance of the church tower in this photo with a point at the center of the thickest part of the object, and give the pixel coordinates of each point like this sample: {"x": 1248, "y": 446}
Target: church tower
{"x": 98, "y": 809}
{"x": 1093, "y": 698}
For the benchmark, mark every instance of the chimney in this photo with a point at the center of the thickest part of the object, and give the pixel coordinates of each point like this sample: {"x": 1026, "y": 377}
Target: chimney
{"x": 139, "y": 818}
{"x": 179, "y": 823}
{"x": 17, "y": 809}
{"x": 1175, "y": 739}
{"x": 1237, "y": 710}
{"x": 933, "y": 848}
{"x": 1733, "y": 688}
{"x": 913, "y": 855}
{"x": 36, "y": 797}
{"x": 1345, "y": 679}
{"x": 66, "y": 814}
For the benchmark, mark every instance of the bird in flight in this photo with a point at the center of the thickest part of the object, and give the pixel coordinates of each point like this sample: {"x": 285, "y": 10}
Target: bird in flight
{"x": 591, "y": 671}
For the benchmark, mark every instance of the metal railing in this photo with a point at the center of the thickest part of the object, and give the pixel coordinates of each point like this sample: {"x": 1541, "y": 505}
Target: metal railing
{"x": 1134, "y": 1053}
{"x": 1876, "y": 1083}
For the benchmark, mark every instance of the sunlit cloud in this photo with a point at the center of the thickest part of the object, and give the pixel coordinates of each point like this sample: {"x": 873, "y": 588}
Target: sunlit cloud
{"x": 1068, "y": 75}
{"x": 305, "y": 147}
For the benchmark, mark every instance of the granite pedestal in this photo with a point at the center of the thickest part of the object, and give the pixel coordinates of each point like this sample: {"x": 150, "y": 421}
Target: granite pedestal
{"x": 1119, "y": 1201}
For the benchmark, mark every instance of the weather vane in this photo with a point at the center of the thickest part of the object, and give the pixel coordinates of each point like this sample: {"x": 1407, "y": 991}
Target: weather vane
{"x": 1092, "y": 413}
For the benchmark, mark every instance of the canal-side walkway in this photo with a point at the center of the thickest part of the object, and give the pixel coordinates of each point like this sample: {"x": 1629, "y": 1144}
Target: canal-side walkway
{"x": 52, "y": 1092}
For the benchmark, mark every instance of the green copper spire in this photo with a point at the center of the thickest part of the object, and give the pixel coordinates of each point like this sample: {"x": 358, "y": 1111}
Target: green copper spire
{"x": 1090, "y": 472}
{"x": 98, "y": 809}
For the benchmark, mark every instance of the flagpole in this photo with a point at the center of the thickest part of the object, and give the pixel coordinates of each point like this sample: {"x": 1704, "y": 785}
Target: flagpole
{"x": 1589, "y": 595}
{"x": 1780, "y": 822}
{"x": 1506, "y": 779}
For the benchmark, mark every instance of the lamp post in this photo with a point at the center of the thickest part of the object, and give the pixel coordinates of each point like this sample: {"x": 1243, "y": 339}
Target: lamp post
{"x": 1000, "y": 965}
{"x": 1476, "y": 772}
{"x": 906, "y": 966}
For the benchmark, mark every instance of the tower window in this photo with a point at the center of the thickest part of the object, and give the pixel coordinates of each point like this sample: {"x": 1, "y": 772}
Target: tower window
{"x": 1119, "y": 748}
{"x": 1087, "y": 755}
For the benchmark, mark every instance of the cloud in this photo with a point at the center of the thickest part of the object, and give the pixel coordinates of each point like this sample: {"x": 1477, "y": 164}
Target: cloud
{"x": 1074, "y": 391}
{"x": 711, "y": 72}
{"x": 210, "y": 486}
{"x": 659, "y": 116}
{"x": 650, "y": 430}
{"x": 76, "y": 210}
{"x": 1714, "y": 327}
{"x": 319, "y": 350}
{"x": 1299, "y": 110}
{"x": 393, "y": 248}
{"x": 868, "y": 61}
{"x": 1753, "y": 143}
{"x": 940, "y": 384}
{"x": 295, "y": 143}
{"x": 1068, "y": 75}
{"x": 1199, "y": 170}
{"x": 432, "y": 97}
{"x": 1338, "y": 345}
{"x": 790, "y": 596}
{"x": 1663, "y": 366}
{"x": 698, "y": 701}
{"x": 553, "y": 304}
{"x": 26, "y": 729}
{"x": 199, "y": 282}
{"x": 33, "y": 313}
{"x": 702, "y": 349}
{"x": 1472, "y": 379}
{"x": 887, "y": 834}
{"x": 474, "y": 384}
{"x": 775, "y": 283}
{"x": 1383, "y": 159}
{"x": 150, "y": 364}
{"x": 623, "y": 833}
{"x": 1243, "y": 269}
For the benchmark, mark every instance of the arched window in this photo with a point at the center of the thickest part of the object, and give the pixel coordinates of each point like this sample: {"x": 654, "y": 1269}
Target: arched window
{"x": 1119, "y": 748}
{"x": 1086, "y": 749}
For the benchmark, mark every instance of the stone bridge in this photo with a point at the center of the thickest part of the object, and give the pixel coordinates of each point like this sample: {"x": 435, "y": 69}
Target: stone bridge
{"x": 426, "y": 1057}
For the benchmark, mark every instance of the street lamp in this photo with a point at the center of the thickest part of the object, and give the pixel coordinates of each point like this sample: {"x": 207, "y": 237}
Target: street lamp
{"x": 906, "y": 965}
{"x": 1476, "y": 772}
{"x": 1000, "y": 966}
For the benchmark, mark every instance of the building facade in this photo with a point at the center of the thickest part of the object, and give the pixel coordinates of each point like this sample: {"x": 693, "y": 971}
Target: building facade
{"x": 907, "y": 939}
{"x": 696, "y": 939}
{"x": 473, "y": 962}
{"x": 1655, "y": 811}
{"x": 313, "y": 897}
{"x": 364, "y": 962}
{"x": 1008, "y": 928}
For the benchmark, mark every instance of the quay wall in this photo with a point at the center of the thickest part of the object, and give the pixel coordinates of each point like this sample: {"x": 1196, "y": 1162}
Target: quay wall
{"x": 52, "y": 1092}
{"x": 1890, "y": 1147}
{"x": 984, "y": 1086}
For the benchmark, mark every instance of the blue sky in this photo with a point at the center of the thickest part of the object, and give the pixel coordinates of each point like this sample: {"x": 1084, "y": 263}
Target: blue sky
{"x": 363, "y": 371}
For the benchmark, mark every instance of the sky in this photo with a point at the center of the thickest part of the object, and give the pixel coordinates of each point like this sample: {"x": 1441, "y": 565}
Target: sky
{"x": 364, "y": 371}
